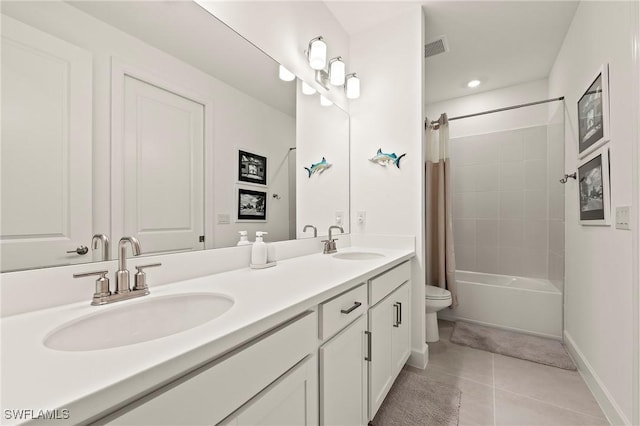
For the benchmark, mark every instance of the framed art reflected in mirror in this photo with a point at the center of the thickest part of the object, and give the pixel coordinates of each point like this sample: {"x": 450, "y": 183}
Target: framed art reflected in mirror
{"x": 252, "y": 205}
{"x": 593, "y": 114}
{"x": 252, "y": 168}
{"x": 593, "y": 188}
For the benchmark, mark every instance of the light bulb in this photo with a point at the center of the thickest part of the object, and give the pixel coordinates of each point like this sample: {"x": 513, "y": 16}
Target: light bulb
{"x": 336, "y": 71}
{"x": 352, "y": 87}
{"x": 285, "y": 74}
{"x": 473, "y": 83}
{"x": 307, "y": 89}
{"x": 324, "y": 101}
{"x": 317, "y": 53}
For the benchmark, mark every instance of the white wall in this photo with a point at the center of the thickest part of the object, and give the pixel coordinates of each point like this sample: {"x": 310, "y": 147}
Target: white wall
{"x": 515, "y": 95}
{"x": 283, "y": 30}
{"x": 599, "y": 285}
{"x": 321, "y": 132}
{"x": 389, "y": 115}
{"x": 271, "y": 132}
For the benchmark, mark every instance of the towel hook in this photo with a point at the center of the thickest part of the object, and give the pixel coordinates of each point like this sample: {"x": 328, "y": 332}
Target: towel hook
{"x": 566, "y": 177}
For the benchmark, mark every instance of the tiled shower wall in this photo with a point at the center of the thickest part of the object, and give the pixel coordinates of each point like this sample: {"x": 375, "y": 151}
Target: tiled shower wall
{"x": 501, "y": 202}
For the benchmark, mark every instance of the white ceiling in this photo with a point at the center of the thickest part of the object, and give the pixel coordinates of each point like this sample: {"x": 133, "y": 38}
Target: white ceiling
{"x": 501, "y": 43}
{"x": 185, "y": 30}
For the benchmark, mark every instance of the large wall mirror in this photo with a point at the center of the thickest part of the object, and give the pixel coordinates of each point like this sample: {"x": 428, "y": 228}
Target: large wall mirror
{"x": 156, "y": 120}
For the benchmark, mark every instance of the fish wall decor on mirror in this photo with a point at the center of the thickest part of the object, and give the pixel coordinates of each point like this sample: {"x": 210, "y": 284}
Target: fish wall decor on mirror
{"x": 384, "y": 159}
{"x": 318, "y": 168}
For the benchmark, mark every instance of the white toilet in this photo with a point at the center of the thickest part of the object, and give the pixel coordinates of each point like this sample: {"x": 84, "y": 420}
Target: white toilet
{"x": 436, "y": 299}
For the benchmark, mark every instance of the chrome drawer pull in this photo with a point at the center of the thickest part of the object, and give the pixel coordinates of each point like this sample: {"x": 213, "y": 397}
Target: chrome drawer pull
{"x": 397, "y": 309}
{"x": 355, "y": 306}
{"x": 368, "y": 357}
{"x": 399, "y": 312}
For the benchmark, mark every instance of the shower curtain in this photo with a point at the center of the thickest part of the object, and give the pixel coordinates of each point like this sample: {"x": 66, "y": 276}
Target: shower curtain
{"x": 441, "y": 264}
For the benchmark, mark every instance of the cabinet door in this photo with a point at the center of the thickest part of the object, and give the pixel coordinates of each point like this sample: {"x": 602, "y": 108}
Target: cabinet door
{"x": 401, "y": 330}
{"x": 343, "y": 377}
{"x": 381, "y": 320}
{"x": 292, "y": 400}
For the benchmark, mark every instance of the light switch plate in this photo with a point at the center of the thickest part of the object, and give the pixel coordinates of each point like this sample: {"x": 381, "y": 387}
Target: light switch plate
{"x": 339, "y": 218}
{"x": 224, "y": 219}
{"x": 623, "y": 217}
{"x": 361, "y": 217}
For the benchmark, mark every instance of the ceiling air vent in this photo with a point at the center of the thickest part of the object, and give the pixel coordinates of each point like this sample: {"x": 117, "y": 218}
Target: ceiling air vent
{"x": 436, "y": 47}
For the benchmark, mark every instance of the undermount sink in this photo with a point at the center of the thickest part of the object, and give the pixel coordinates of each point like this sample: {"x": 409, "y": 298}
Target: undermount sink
{"x": 357, "y": 255}
{"x": 138, "y": 322}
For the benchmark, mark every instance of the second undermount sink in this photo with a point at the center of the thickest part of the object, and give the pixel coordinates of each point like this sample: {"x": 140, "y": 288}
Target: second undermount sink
{"x": 139, "y": 322}
{"x": 357, "y": 255}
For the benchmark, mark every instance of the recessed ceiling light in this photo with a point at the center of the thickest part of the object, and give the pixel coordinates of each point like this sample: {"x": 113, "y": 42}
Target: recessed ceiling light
{"x": 473, "y": 83}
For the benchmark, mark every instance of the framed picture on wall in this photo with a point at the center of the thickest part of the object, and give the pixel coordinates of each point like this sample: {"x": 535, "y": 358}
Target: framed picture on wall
{"x": 252, "y": 205}
{"x": 593, "y": 188}
{"x": 593, "y": 113}
{"x": 252, "y": 168}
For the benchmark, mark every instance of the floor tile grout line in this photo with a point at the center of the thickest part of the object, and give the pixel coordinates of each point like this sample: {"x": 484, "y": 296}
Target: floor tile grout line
{"x": 443, "y": 371}
{"x": 553, "y": 405}
{"x": 493, "y": 388}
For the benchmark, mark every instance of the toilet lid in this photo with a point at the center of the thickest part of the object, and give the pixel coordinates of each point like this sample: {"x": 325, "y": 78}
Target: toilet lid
{"x": 433, "y": 292}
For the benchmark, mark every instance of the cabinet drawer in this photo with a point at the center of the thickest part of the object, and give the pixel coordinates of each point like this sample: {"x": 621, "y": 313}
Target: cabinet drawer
{"x": 213, "y": 392}
{"x": 337, "y": 313}
{"x": 384, "y": 284}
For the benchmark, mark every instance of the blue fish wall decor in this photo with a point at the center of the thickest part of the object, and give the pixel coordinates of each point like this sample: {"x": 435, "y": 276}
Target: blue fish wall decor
{"x": 318, "y": 167}
{"x": 384, "y": 159}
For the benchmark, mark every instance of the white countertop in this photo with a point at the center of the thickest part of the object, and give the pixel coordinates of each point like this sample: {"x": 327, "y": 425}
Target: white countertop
{"x": 87, "y": 383}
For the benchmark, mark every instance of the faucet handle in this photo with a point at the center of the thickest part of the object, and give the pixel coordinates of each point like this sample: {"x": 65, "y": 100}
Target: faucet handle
{"x": 102, "y": 286}
{"x": 140, "y": 281}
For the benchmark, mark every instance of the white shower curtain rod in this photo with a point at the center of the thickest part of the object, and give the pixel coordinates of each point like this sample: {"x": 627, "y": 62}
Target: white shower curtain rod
{"x": 561, "y": 98}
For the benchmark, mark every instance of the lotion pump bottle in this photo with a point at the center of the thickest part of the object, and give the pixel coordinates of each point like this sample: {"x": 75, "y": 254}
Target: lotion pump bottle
{"x": 244, "y": 241}
{"x": 259, "y": 250}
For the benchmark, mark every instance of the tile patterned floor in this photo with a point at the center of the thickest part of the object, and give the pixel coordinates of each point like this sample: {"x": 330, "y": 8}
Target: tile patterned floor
{"x": 499, "y": 390}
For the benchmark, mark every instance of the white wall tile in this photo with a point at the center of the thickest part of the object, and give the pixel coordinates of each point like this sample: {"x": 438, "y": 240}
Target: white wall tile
{"x": 487, "y": 205}
{"x": 510, "y": 260}
{"x": 535, "y": 174}
{"x": 536, "y": 234}
{"x": 486, "y": 233}
{"x": 464, "y": 180}
{"x": 556, "y": 267}
{"x": 556, "y": 204}
{"x": 460, "y": 148}
{"x": 487, "y": 260}
{"x": 464, "y": 205}
{"x": 534, "y": 263}
{"x": 535, "y": 146}
{"x": 556, "y": 236}
{"x": 512, "y": 176}
{"x": 465, "y": 257}
{"x": 487, "y": 177}
{"x": 511, "y": 146}
{"x": 511, "y": 233}
{"x": 535, "y": 204}
{"x": 464, "y": 232}
{"x": 511, "y": 205}
{"x": 485, "y": 149}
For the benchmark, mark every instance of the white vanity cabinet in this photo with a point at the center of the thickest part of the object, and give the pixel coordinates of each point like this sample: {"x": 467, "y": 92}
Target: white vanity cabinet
{"x": 267, "y": 371}
{"x": 390, "y": 328}
{"x": 343, "y": 365}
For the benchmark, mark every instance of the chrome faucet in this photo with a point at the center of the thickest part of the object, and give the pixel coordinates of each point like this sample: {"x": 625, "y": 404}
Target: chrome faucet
{"x": 103, "y": 240}
{"x": 315, "y": 230}
{"x": 123, "y": 290}
{"x": 122, "y": 274}
{"x": 330, "y": 244}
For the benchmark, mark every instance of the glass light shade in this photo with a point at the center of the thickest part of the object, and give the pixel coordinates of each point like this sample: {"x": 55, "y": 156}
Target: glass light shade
{"x": 336, "y": 71}
{"x": 473, "y": 83}
{"x": 317, "y": 54}
{"x": 285, "y": 74}
{"x": 307, "y": 89}
{"x": 352, "y": 88}
{"x": 324, "y": 101}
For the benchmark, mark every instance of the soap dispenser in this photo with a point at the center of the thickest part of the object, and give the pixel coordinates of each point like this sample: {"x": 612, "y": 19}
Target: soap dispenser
{"x": 244, "y": 241}
{"x": 259, "y": 251}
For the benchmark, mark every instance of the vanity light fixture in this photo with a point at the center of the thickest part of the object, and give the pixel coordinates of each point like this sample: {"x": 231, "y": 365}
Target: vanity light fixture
{"x": 336, "y": 71}
{"x": 317, "y": 53}
{"x": 473, "y": 83}
{"x": 307, "y": 89}
{"x": 285, "y": 74}
{"x": 324, "y": 101}
{"x": 352, "y": 86}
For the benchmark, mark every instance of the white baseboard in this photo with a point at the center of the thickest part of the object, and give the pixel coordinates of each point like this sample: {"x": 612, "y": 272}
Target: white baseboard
{"x": 608, "y": 405}
{"x": 419, "y": 358}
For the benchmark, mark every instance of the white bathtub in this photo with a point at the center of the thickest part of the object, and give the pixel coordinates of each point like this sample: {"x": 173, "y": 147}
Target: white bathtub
{"x": 528, "y": 305}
